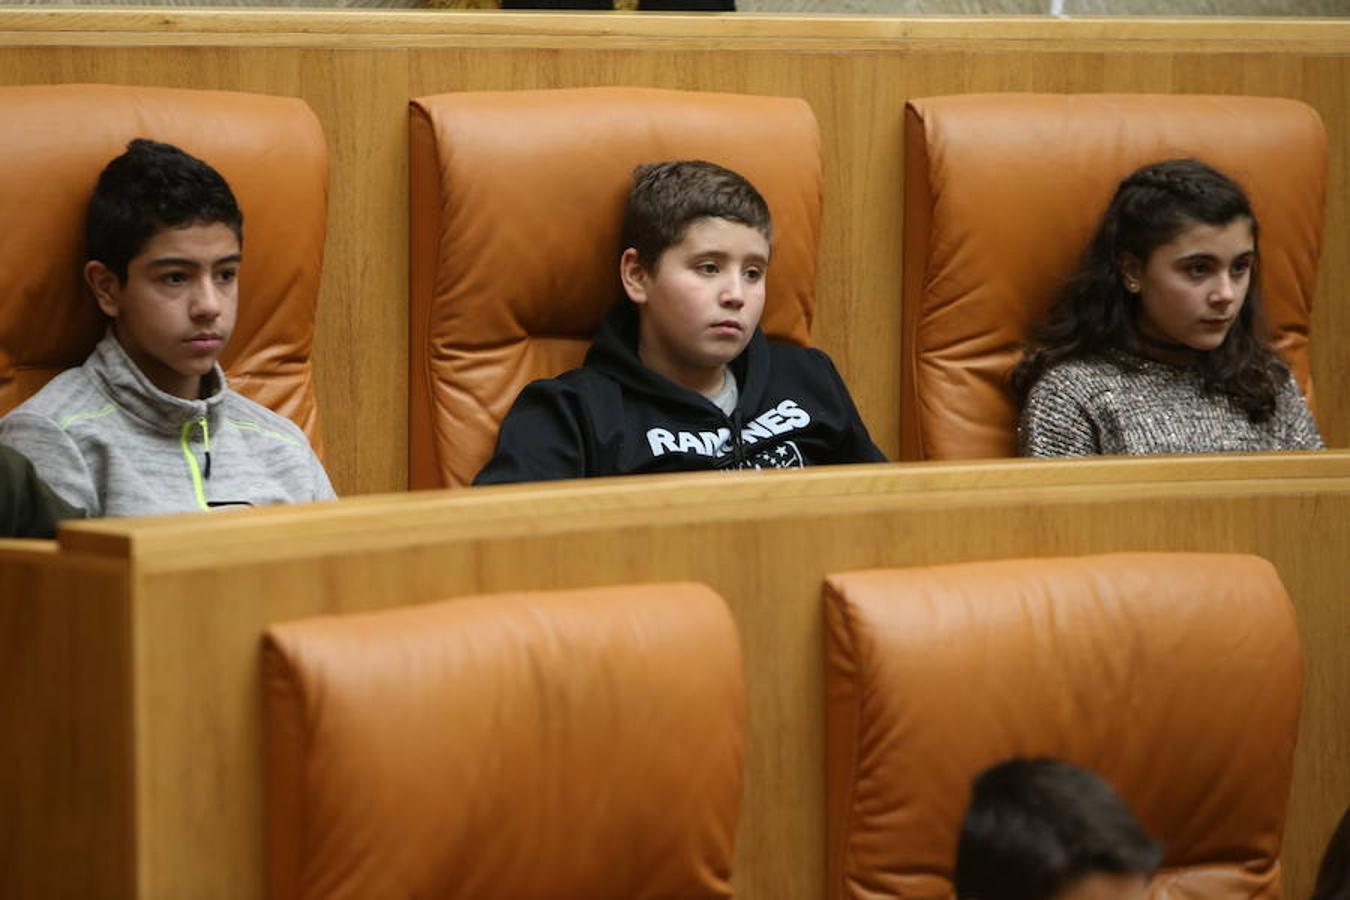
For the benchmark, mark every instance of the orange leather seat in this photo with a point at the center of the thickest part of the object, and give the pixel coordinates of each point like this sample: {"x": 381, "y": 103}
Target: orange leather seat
{"x": 537, "y": 745}
{"x": 1176, "y": 677}
{"x": 517, "y": 199}
{"x": 272, "y": 152}
{"x": 1003, "y": 193}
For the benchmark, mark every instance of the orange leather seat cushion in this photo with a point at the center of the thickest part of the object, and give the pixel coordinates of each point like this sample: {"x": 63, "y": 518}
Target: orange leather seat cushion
{"x": 1176, "y": 677}
{"x": 517, "y": 201}
{"x": 1003, "y": 193}
{"x": 538, "y": 745}
{"x": 272, "y": 152}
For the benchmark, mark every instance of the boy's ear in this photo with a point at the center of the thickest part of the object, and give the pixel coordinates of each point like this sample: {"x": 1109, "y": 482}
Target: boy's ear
{"x": 104, "y": 285}
{"x": 633, "y": 276}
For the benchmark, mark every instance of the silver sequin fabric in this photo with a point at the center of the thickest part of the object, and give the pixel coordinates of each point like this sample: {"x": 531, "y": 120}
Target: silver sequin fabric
{"x": 1120, "y": 404}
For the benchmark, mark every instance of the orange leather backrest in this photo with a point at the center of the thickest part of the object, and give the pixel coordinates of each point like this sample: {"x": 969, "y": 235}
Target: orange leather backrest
{"x": 569, "y": 745}
{"x": 1003, "y": 193}
{"x": 1175, "y": 676}
{"x": 271, "y": 151}
{"x": 517, "y": 198}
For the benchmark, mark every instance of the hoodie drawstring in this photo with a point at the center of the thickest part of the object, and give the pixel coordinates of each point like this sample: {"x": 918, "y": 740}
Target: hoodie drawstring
{"x": 737, "y": 448}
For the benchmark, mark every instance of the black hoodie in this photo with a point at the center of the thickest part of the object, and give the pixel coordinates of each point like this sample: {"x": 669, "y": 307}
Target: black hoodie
{"x": 615, "y": 416}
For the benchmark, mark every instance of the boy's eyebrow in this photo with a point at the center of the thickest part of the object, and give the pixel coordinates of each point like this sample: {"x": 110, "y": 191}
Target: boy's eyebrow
{"x": 183, "y": 261}
{"x": 722, "y": 254}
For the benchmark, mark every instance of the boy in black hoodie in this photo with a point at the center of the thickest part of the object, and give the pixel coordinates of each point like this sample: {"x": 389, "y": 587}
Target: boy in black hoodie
{"x": 681, "y": 378}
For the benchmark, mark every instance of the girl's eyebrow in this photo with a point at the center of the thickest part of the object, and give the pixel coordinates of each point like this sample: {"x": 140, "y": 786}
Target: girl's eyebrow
{"x": 1206, "y": 256}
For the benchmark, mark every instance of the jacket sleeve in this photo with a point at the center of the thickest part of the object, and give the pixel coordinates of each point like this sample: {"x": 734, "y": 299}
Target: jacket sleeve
{"x": 323, "y": 487}
{"x": 1298, "y": 430}
{"x": 856, "y": 446}
{"x": 1055, "y": 422}
{"x": 28, "y": 508}
{"x": 55, "y": 456}
{"x": 542, "y": 438}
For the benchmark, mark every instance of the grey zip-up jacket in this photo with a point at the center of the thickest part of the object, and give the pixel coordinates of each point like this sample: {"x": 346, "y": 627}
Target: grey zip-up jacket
{"x": 108, "y": 441}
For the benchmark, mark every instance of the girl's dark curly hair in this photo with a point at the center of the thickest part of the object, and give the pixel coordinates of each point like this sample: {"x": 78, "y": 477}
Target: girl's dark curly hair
{"x": 1151, "y": 207}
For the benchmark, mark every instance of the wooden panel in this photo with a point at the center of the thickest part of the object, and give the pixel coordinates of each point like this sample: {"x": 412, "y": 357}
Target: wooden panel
{"x": 358, "y": 69}
{"x": 65, "y": 724}
{"x": 208, "y": 585}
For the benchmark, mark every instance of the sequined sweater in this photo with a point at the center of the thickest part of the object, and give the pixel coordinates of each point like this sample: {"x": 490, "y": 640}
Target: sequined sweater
{"x": 1121, "y": 404}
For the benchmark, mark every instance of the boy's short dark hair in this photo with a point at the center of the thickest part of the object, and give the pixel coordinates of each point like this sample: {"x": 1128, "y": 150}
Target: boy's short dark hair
{"x": 668, "y": 196}
{"x": 1036, "y": 826}
{"x": 150, "y": 187}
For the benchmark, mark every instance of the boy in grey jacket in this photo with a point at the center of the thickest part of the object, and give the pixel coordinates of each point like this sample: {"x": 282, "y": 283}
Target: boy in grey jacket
{"x": 148, "y": 424}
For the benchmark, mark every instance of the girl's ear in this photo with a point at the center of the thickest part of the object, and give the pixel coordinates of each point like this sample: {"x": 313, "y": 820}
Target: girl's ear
{"x": 104, "y": 285}
{"x": 633, "y": 276}
{"x": 1132, "y": 271}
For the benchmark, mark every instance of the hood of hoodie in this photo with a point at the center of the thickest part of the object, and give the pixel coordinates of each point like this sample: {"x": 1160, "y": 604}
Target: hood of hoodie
{"x": 615, "y": 352}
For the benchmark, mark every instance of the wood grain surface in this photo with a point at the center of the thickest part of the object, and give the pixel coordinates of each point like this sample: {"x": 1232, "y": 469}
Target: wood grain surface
{"x": 66, "y": 768}
{"x": 201, "y": 589}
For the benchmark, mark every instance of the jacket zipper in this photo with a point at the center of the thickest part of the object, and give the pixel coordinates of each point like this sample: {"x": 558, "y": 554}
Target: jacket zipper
{"x": 184, "y": 440}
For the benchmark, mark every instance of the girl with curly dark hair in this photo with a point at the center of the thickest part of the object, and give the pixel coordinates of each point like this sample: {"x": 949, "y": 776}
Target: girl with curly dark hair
{"x": 1157, "y": 344}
